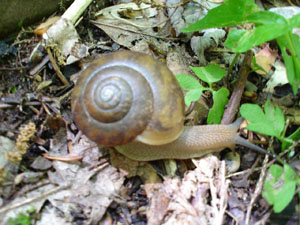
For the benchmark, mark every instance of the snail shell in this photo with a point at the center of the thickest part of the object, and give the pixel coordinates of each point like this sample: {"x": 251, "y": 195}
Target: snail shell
{"x": 126, "y": 96}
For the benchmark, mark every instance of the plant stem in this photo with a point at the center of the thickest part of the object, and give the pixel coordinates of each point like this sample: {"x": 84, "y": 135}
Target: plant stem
{"x": 76, "y": 9}
{"x": 293, "y": 51}
{"x": 231, "y": 65}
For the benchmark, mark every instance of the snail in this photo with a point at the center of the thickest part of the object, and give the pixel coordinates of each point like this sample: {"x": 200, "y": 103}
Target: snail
{"x": 133, "y": 102}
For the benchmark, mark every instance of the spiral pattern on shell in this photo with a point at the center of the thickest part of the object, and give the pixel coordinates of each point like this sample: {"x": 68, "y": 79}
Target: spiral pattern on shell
{"x": 122, "y": 96}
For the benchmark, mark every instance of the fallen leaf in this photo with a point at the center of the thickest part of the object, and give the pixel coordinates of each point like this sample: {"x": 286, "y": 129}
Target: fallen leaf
{"x": 43, "y": 27}
{"x": 265, "y": 58}
{"x": 279, "y": 77}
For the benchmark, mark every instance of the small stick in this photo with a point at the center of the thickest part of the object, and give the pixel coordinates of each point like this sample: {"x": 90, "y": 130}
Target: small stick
{"x": 233, "y": 104}
{"x": 258, "y": 190}
{"x": 27, "y": 201}
{"x": 56, "y": 68}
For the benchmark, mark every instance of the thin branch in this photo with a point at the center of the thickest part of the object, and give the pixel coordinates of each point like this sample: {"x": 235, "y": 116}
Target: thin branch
{"x": 233, "y": 104}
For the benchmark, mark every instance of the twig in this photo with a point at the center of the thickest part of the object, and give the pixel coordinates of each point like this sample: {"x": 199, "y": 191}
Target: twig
{"x": 27, "y": 201}
{"x": 4, "y": 106}
{"x": 15, "y": 68}
{"x": 223, "y": 195}
{"x": 265, "y": 218}
{"x": 27, "y": 189}
{"x": 234, "y": 101}
{"x": 190, "y": 109}
{"x": 39, "y": 66}
{"x": 258, "y": 189}
{"x": 233, "y": 217}
{"x": 268, "y": 165}
{"x": 56, "y": 68}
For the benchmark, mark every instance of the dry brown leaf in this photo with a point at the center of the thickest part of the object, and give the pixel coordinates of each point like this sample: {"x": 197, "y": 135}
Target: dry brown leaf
{"x": 43, "y": 27}
{"x": 137, "y": 26}
{"x": 265, "y": 58}
{"x": 131, "y": 168}
{"x": 186, "y": 201}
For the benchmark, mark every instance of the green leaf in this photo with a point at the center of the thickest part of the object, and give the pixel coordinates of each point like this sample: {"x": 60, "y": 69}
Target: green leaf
{"x": 276, "y": 171}
{"x": 295, "y": 21}
{"x": 281, "y": 195}
{"x": 266, "y": 17}
{"x": 20, "y": 24}
{"x": 266, "y": 22}
{"x": 233, "y": 38}
{"x": 188, "y": 82}
{"x": 270, "y": 123}
{"x": 290, "y": 49}
{"x": 21, "y": 219}
{"x": 230, "y": 13}
{"x": 220, "y": 98}
{"x": 192, "y": 95}
{"x": 294, "y": 136}
{"x": 241, "y": 41}
{"x": 193, "y": 86}
{"x": 210, "y": 73}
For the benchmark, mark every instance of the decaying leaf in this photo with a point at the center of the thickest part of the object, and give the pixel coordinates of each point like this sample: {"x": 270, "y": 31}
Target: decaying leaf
{"x": 7, "y": 169}
{"x": 183, "y": 15}
{"x": 279, "y": 77}
{"x": 185, "y": 201}
{"x": 265, "y": 58}
{"x": 128, "y": 24}
{"x": 63, "y": 38}
{"x": 132, "y": 168}
{"x": 210, "y": 39}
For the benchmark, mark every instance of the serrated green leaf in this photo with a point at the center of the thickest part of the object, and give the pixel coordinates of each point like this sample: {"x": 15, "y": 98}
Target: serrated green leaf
{"x": 230, "y": 13}
{"x": 269, "y": 123}
{"x": 220, "y": 98}
{"x": 188, "y": 82}
{"x": 210, "y": 73}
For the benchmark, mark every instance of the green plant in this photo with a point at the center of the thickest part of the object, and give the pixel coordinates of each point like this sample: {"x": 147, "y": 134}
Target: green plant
{"x": 280, "y": 190}
{"x": 209, "y": 74}
{"x": 271, "y": 122}
{"x": 22, "y": 218}
{"x": 268, "y": 26}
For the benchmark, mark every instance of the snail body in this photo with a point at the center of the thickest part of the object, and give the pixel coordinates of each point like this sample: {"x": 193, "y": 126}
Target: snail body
{"x": 133, "y": 102}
